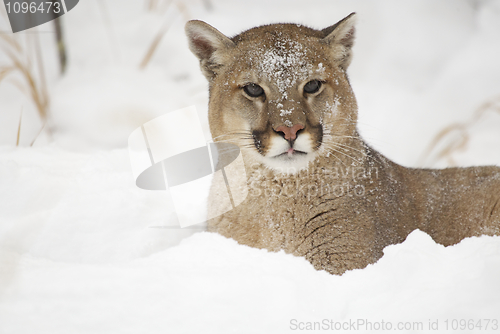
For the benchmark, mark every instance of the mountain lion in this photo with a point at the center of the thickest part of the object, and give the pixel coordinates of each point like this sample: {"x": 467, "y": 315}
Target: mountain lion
{"x": 316, "y": 189}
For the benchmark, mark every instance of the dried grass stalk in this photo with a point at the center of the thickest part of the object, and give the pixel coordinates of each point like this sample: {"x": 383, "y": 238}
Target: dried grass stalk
{"x": 460, "y": 132}
{"x": 38, "y": 134}
{"x": 20, "y": 63}
{"x": 19, "y": 128}
{"x": 164, "y": 28}
{"x": 154, "y": 45}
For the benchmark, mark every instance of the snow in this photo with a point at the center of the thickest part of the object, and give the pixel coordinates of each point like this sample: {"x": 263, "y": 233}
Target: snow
{"x": 83, "y": 250}
{"x": 210, "y": 284}
{"x": 284, "y": 65}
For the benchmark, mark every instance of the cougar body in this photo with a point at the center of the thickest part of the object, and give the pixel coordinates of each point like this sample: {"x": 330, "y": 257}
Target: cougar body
{"x": 316, "y": 189}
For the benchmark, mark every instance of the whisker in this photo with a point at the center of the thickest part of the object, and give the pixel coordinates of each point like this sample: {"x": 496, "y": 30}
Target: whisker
{"x": 233, "y": 134}
{"x": 333, "y": 155}
{"x": 352, "y": 148}
{"x": 347, "y": 155}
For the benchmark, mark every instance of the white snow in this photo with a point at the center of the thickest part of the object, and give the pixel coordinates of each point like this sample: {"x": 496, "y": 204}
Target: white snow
{"x": 83, "y": 250}
{"x": 283, "y": 65}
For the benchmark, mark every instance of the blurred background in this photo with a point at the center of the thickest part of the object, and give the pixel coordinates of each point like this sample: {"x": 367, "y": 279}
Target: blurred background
{"x": 426, "y": 73}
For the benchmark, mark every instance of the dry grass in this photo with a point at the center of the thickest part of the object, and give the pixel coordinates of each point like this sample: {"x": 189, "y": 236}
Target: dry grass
{"x": 162, "y": 6}
{"x": 152, "y": 5}
{"x": 455, "y": 137}
{"x": 19, "y": 128}
{"x": 25, "y": 70}
{"x": 154, "y": 45}
{"x": 61, "y": 46}
{"x": 19, "y": 62}
{"x": 38, "y": 134}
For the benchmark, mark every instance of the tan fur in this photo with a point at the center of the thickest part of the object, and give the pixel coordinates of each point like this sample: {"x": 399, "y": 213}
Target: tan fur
{"x": 339, "y": 202}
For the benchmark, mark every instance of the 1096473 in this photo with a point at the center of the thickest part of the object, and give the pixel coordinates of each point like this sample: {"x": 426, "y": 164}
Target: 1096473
{"x": 33, "y": 7}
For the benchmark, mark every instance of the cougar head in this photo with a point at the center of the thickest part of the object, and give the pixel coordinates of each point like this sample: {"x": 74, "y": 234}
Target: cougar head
{"x": 279, "y": 91}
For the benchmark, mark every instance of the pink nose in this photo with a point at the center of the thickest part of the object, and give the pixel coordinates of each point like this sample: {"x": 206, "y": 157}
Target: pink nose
{"x": 290, "y": 133}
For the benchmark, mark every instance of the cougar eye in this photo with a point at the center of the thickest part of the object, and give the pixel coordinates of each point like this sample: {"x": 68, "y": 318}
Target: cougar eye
{"x": 253, "y": 90}
{"x": 312, "y": 86}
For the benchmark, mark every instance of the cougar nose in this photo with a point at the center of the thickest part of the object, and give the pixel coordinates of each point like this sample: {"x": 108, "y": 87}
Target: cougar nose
{"x": 290, "y": 133}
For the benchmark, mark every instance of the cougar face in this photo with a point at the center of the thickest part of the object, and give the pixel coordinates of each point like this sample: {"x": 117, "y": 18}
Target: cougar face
{"x": 279, "y": 91}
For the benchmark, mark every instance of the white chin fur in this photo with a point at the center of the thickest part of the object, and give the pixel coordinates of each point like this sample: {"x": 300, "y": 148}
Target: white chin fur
{"x": 289, "y": 164}
{"x": 286, "y": 165}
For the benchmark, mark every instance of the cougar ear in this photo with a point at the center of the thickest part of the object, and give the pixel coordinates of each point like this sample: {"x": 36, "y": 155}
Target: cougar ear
{"x": 208, "y": 44}
{"x": 340, "y": 38}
